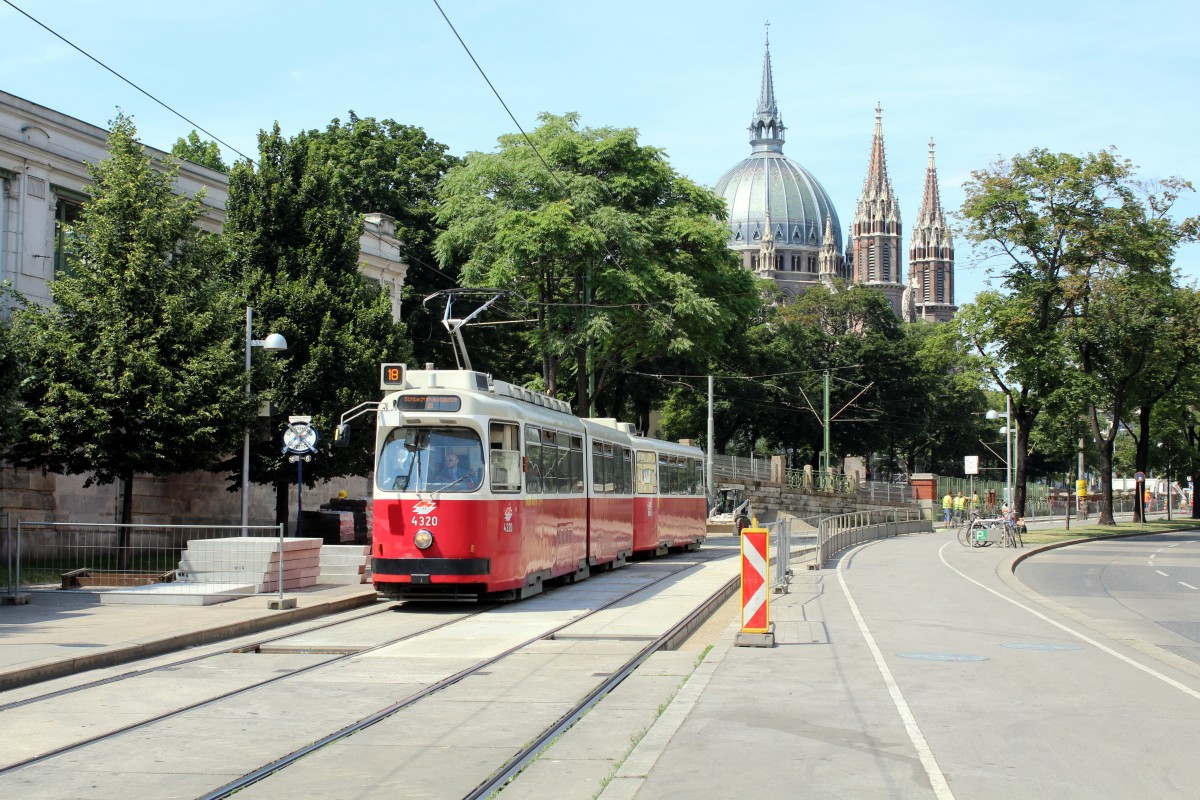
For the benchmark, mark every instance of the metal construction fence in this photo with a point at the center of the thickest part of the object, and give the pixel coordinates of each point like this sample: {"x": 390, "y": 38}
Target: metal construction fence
{"x": 846, "y": 530}
{"x": 790, "y": 538}
{"x": 198, "y": 560}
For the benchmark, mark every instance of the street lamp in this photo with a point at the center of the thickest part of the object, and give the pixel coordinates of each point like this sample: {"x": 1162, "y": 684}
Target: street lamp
{"x": 1007, "y": 431}
{"x": 274, "y": 341}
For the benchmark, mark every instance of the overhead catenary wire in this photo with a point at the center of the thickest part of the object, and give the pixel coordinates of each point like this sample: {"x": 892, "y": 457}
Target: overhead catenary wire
{"x": 109, "y": 69}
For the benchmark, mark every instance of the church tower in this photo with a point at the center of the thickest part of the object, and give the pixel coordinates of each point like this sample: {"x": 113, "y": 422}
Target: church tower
{"x": 875, "y": 235}
{"x": 931, "y": 256}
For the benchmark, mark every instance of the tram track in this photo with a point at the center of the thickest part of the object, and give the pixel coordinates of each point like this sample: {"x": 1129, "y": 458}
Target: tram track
{"x": 210, "y": 700}
{"x": 346, "y": 618}
{"x": 272, "y": 645}
{"x": 524, "y": 754}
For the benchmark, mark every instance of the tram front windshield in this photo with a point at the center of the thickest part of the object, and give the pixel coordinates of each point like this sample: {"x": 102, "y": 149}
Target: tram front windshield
{"x": 430, "y": 460}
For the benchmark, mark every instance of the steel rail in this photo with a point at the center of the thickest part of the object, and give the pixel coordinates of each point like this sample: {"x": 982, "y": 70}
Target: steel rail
{"x": 267, "y": 770}
{"x": 133, "y": 726}
{"x": 530, "y": 752}
{"x": 191, "y": 659}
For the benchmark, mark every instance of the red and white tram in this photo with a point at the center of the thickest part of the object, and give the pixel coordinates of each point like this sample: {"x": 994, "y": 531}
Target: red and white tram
{"x": 486, "y": 489}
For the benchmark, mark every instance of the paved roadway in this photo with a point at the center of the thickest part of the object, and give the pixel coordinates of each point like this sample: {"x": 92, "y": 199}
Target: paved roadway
{"x": 916, "y": 668}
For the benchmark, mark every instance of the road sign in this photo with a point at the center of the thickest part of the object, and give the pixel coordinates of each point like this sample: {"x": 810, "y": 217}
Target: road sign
{"x": 756, "y": 562}
{"x": 300, "y": 437}
{"x": 970, "y": 465}
{"x": 1140, "y": 477}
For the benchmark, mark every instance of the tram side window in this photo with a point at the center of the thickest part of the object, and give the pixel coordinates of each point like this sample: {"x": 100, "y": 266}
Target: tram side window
{"x": 556, "y": 460}
{"x": 664, "y": 474}
{"x": 598, "y": 468}
{"x": 576, "y": 461}
{"x": 505, "y": 453}
{"x": 533, "y": 460}
{"x": 626, "y": 471}
{"x": 645, "y": 472}
{"x": 697, "y": 477}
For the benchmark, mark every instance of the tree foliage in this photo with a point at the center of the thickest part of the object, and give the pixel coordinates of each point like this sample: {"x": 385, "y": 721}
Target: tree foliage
{"x": 136, "y": 367}
{"x": 199, "y": 151}
{"x": 391, "y": 168}
{"x": 620, "y": 260}
{"x": 1079, "y": 237}
{"x": 293, "y": 240}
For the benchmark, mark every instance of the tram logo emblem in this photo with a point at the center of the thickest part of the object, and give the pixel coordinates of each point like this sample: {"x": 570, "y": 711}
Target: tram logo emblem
{"x": 424, "y": 506}
{"x": 508, "y": 515}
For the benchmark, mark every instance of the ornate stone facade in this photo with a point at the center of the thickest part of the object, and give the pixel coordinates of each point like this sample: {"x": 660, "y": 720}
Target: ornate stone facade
{"x": 784, "y": 226}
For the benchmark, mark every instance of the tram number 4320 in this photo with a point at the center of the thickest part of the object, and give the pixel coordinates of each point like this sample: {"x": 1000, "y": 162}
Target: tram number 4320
{"x": 424, "y": 522}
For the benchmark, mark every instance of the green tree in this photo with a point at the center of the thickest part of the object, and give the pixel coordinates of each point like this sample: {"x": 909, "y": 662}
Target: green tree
{"x": 621, "y": 260}
{"x": 293, "y": 238}
{"x": 136, "y": 368}
{"x": 1057, "y": 221}
{"x": 199, "y": 151}
{"x": 391, "y": 168}
{"x": 9, "y": 378}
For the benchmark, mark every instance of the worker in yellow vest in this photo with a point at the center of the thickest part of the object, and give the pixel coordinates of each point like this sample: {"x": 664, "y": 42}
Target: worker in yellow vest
{"x": 960, "y": 507}
{"x": 947, "y": 508}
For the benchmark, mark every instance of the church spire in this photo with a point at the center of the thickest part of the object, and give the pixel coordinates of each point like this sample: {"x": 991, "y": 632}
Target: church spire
{"x": 931, "y": 254}
{"x": 766, "y": 127}
{"x": 931, "y": 203}
{"x": 877, "y": 183}
{"x": 875, "y": 242}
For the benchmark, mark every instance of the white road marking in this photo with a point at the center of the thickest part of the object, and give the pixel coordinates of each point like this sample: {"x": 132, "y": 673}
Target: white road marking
{"x": 1082, "y": 637}
{"x": 1181, "y": 583}
{"x": 936, "y": 779}
{"x": 1160, "y": 572}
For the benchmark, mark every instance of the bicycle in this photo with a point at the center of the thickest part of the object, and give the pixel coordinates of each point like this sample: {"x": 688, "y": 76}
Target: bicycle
{"x": 1014, "y": 528}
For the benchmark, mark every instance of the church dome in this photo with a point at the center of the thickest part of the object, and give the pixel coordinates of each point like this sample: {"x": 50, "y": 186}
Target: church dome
{"x": 770, "y": 188}
{"x": 769, "y": 184}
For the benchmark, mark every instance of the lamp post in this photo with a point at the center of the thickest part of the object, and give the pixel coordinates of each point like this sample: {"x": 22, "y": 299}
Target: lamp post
{"x": 274, "y": 341}
{"x": 1007, "y": 431}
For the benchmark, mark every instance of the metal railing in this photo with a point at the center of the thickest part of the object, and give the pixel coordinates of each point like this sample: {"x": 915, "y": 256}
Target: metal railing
{"x": 196, "y": 560}
{"x": 758, "y": 468}
{"x": 846, "y": 530}
{"x": 883, "y": 492}
{"x": 10, "y": 557}
{"x": 742, "y": 467}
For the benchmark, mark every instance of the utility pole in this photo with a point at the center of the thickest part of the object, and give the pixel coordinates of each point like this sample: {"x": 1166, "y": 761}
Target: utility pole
{"x": 825, "y": 465}
{"x": 708, "y": 479}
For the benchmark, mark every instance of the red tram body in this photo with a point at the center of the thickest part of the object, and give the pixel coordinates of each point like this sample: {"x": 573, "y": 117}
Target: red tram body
{"x": 486, "y": 489}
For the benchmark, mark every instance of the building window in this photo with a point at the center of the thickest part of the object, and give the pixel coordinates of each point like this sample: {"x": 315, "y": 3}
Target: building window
{"x": 66, "y": 214}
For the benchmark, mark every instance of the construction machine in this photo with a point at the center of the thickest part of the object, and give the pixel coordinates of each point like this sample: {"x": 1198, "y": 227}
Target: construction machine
{"x": 731, "y": 512}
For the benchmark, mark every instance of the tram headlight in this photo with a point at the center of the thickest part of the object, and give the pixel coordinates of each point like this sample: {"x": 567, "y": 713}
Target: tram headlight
{"x": 423, "y": 540}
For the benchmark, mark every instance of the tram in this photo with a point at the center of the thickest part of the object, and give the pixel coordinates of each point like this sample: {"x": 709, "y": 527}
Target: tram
{"x": 487, "y": 490}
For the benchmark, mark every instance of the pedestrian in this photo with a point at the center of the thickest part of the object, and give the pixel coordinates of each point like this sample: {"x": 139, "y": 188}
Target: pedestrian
{"x": 960, "y": 507}
{"x": 974, "y": 501}
{"x": 947, "y": 508}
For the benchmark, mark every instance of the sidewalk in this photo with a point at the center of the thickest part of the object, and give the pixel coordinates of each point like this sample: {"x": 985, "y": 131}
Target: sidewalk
{"x": 889, "y": 673}
{"x": 60, "y": 633}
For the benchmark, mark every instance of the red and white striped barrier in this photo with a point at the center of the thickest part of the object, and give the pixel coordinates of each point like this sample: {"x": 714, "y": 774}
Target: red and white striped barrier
{"x": 757, "y": 630}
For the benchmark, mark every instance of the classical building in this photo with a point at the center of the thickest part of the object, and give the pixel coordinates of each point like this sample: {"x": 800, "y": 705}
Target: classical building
{"x": 784, "y": 226}
{"x": 44, "y": 182}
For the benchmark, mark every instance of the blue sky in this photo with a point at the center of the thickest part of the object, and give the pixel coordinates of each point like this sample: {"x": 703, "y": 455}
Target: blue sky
{"x": 982, "y": 79}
